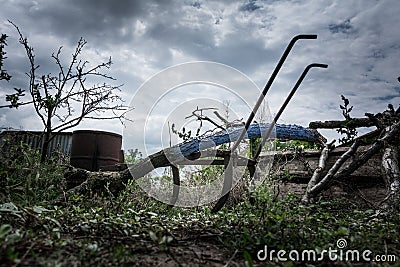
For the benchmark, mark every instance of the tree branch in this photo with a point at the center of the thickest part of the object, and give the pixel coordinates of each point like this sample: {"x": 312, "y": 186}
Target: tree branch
{"x": 352, "y": 123}
{"x": 316, "y": 177}
{"x": 392, "y": 133}
{"x": 330, "y": 176}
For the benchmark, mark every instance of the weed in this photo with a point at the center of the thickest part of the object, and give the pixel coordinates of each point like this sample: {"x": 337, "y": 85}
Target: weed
{"x": 123, "y": 230}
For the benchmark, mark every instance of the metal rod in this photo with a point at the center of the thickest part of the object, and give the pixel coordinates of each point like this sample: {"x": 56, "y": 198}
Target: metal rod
{"x": 271, "y": 126}
{"x": 227, "y": 180}
{"x": 268, "y": 85}
{"x": 226, "y": 189}
{"x": 176, "y": 186}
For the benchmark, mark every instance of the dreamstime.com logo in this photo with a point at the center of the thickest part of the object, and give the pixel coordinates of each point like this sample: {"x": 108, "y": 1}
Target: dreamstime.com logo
{"x": 166, "y": 99}
{"x": 339, "y": 253}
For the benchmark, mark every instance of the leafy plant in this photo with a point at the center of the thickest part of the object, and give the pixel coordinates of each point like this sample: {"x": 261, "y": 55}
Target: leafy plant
{"x": 349, "y": 132}
{"x": 24, "y": 179}
{"x": 132, "y": 156}
{"x": 3, "y": 73}
{"x": 183, "y": 134}
{"x": 123, "y": 230}
{"x": 294, "y": 145}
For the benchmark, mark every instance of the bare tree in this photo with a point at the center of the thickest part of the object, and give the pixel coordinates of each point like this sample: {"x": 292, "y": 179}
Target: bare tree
{"x": 62, "y": 100}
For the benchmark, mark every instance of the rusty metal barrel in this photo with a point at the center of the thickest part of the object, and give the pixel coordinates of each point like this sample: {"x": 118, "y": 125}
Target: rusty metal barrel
{"x": 91, "y": 149}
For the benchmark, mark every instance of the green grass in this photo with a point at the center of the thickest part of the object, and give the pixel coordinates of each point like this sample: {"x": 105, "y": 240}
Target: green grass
{"x": 123, "y": 230}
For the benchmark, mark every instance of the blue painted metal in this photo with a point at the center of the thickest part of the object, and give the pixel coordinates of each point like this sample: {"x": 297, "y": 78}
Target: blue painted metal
{"x": 281, "y": 131}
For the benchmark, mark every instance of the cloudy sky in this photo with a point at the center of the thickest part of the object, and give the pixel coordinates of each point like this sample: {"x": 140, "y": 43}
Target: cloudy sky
{"x": 358, "y": 39}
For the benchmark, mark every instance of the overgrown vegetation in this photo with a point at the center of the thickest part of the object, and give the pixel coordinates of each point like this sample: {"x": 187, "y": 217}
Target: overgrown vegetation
{"x": 132, "y": 229}
{"x": 24, "y": 179}
{"x": 106, "y": 229}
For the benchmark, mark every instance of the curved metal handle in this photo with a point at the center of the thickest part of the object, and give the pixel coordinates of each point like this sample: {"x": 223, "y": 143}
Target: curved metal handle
{"x": 228, "y": 174}
{"x": 269, "y": 83}
{"x": 271, "y": 126}
{"x": 305, "y": 36}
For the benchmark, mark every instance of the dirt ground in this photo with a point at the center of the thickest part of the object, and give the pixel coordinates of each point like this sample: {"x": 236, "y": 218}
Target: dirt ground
{"x": 198, "y": 252}
{"x": 204, "y": 249}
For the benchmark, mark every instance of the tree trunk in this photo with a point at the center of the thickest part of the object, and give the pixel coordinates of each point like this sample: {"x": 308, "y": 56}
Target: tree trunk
{"x": 47, "y": 135}
{"x": 45, "y": 146}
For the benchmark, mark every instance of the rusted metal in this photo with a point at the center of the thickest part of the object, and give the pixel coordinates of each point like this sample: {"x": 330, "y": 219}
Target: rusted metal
{"x": 93, "y": 149}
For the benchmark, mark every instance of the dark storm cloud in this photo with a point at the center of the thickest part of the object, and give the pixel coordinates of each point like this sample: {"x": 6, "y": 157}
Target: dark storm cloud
{"x": 250, "y": 6}
{"x": 103, "y": 21}
{"x": 343, "y": 27}
{"x": 100, "y": 20}
{"x": 235, "y": 50}
{"x": 108, "y": 24}
{"x": 238, "y": 48}
{"x": 359, "y": 40}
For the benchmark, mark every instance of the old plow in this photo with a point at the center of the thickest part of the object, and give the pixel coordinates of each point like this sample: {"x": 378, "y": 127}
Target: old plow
{"x": 194, "y": 151}
{"x": 199, "y": 150}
